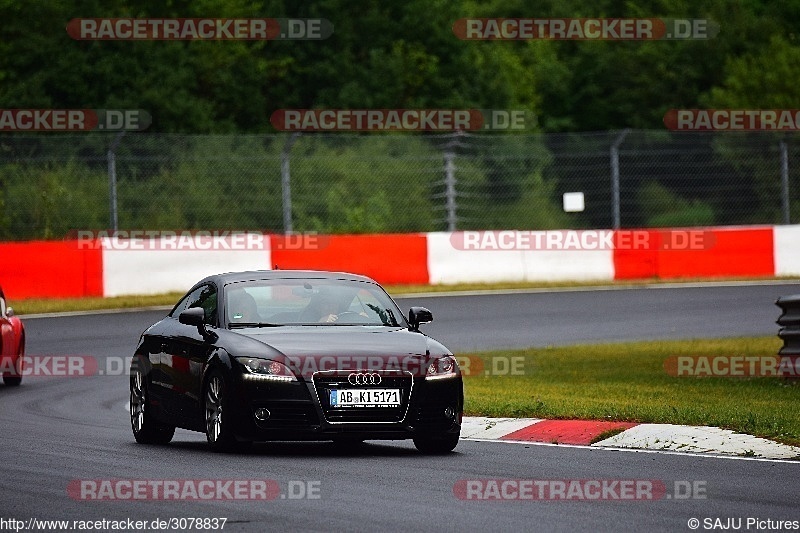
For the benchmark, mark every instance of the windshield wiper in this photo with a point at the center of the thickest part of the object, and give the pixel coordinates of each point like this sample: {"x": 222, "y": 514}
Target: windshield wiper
{"x": 384, "y": 315}
{"x": 253, "y": 325}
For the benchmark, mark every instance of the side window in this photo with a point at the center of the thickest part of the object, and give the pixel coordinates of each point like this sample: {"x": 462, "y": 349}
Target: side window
{"x": 181, "y": 305}
{"x": 205, "y": 297}
{"x": 2, "y": 306}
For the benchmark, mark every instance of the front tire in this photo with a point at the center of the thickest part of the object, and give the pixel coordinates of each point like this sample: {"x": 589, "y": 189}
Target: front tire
{"x": 439, "y": 444}
{"x": 11, "y": 380}
{"x": 146, "y": 430}
{"x": 219, "y": 432}
{"x": 14, "y": 379}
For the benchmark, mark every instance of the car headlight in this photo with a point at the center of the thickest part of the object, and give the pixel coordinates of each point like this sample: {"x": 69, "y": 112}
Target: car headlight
{"x": 265, "y": 369}
{"x": 442, "y": 368}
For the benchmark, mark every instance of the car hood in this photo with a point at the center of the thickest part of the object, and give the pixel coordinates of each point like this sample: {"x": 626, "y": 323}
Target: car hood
{"x": 310, "y": 349}
{"x": 319, "y": 341}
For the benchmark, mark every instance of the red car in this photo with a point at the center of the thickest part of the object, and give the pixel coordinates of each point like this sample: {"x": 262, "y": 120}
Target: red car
{"x": 12, "y": 344}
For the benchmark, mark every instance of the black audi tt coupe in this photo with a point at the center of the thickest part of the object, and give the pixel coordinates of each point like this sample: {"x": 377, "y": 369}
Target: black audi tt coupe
{"x": 294, "y": 355}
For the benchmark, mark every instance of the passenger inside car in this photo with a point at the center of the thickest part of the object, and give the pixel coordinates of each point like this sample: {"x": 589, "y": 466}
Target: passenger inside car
{"x": 242, "y": 307}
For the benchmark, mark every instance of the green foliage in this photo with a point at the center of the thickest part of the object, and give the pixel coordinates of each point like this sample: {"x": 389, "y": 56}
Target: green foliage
{"x": 663, "y": 208}
{"x": 348, "y": 215}
{"x": 381, "y": 55}
{"x": 399, "y": 55}
{"x": 4, "y": 222}
{"x": 764, "y": 78}
{"x": 51, "y": 200}
{"x": 217, "y": 182}
{"x": 504, "y": 185}
{"x": 364, "y": 184}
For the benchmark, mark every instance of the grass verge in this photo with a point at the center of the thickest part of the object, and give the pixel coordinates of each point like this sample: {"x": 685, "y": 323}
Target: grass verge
{"x": 627, "y": 382}
{"x": 55, "y": 305}
{"x": 48, "y": 305}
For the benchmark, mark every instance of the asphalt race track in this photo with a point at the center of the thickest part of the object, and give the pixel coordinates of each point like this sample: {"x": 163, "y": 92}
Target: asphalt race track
{"x": 581, "y": 316}
{"x": 54, "y": 431}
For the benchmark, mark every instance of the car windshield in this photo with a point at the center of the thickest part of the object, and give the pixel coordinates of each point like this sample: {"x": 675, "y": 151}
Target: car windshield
{"x": 290, "y": 302}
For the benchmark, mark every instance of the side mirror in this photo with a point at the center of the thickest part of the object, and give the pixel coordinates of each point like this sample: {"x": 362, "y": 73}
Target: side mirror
{"x": 417, "y": 316}
{"x": 196, "y": 316}
{"x": 9, "y": 312}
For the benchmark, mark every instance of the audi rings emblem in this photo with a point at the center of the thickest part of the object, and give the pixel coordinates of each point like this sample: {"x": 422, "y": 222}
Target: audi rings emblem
{"x": 364, "y": 378}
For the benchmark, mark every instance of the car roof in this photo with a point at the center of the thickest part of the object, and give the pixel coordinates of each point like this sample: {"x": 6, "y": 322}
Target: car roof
{"x": 252, "y": 275}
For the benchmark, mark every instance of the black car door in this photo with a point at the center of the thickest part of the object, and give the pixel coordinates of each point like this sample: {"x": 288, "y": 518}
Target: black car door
{"x": 159, "y": 345}
{"x": 187, "y": 353}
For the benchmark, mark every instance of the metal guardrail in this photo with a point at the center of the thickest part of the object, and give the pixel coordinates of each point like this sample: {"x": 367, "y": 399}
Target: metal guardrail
{"x": 789, "y": 321}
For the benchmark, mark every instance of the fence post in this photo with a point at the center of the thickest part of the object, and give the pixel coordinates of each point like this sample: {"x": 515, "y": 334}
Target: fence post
{"x": 112, "y": 179}
{"x": 286, "y": 185}
{"x": 450, "y": 189}
{"x": 615, "y": 213}
{"x": 785, "y": 183}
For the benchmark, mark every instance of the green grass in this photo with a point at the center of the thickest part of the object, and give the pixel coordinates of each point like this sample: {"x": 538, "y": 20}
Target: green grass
{"x": 627, "y": 382}
{"x": 54, "y": 305}
{"x": 607, "y": 435}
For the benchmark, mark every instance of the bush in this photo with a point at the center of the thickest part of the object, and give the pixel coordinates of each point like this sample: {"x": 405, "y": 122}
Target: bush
{"x": 663, "y": 208}
{"x": 48, "y": 200}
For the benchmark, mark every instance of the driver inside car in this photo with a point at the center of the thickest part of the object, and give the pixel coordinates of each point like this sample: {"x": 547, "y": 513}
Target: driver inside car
{"x": 326, "y": 306}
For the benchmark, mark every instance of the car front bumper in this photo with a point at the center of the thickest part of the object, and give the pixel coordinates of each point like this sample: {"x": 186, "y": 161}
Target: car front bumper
{"x": 297, "y": 411}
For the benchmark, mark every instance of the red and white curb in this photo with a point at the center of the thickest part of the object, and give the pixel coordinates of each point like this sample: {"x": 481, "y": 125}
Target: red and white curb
{"x": 664, "y": 437}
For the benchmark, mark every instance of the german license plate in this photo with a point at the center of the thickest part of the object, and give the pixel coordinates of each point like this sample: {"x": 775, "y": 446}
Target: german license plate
{"x": 365, "y": 398}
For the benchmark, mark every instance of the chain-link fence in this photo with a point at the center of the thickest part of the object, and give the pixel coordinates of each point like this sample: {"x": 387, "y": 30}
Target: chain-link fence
{"x": 52, "y": 184}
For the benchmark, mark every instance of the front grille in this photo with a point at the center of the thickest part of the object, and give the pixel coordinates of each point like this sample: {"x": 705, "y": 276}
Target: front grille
{"x": 324, "y": 382}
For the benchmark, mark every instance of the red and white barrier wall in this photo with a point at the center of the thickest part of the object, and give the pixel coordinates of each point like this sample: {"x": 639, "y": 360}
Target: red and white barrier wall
{"x": 506, "y": 257}
{"x": 72, "y": 268}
